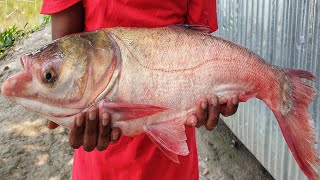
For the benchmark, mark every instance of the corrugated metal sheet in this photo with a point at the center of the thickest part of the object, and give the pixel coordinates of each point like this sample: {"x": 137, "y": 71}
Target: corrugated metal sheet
{"x": 286, "y": 33}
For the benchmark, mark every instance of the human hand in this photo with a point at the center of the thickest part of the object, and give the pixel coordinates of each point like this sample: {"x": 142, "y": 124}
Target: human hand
{"x": 91, "y": 130}
{"x": 208, "y": 111}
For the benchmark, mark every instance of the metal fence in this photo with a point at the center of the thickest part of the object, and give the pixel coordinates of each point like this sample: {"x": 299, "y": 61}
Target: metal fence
{"x": 286, "y": 33}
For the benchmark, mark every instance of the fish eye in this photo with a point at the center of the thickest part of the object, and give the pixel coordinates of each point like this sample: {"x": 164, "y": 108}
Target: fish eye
{"x": 48, "y": 74}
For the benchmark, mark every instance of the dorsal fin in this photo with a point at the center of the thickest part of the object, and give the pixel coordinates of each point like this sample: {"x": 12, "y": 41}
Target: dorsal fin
{"x": 201, "y": 28}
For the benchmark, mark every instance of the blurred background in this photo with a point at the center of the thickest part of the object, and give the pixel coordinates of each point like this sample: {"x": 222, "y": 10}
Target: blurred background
{"x": 20, "y": 13}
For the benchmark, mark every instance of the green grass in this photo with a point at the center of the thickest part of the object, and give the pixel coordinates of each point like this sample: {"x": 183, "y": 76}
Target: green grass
{"x": 8, "y": 37}
{"x": 19, "y": 13}
{"x": 45, "y": 20}
{"x": 11, "y": 35}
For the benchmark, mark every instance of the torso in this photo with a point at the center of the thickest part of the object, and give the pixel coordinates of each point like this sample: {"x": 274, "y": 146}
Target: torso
{"x": 137, "y": 13}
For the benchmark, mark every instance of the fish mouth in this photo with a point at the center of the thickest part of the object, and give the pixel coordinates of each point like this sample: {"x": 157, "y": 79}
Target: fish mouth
{"x": 14, "y": 84}
{"x": 25, "y": 61}
{"x": 62, "y": 116}
{"x": 46, "y": 110}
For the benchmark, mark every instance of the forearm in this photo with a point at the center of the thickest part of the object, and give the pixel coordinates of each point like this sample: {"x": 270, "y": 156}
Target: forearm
{"x": 68, "y": 21}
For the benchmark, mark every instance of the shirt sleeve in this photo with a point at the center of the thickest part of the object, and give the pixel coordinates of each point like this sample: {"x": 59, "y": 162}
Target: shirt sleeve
{"x": 202, "y": 12}
{"x": 54, "y": 6}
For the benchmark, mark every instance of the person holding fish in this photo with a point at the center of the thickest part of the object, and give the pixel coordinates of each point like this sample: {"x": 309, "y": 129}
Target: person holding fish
{"x": 138, "y": 157}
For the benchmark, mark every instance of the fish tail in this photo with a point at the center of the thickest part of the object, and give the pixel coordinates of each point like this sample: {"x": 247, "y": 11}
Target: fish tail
{"x": 295, "y": 121}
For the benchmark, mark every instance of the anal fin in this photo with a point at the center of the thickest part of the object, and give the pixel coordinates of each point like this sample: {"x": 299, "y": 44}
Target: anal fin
{"x": 169, "y": 154}
{"x": 170, "y": 137}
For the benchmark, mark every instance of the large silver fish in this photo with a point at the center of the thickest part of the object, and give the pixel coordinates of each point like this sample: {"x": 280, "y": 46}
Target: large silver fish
{"x": 150, "y": 79}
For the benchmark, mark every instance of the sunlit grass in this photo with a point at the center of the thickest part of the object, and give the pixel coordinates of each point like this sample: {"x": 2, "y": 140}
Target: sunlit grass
{"x": 19, "y": 13}
{"x": 11, "y": 35}
{"x": 19, "y": 18}
{"x": 8, "y": 37}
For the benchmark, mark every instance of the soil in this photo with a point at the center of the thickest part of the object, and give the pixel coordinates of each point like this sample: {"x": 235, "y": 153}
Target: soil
{"x": 29, "y": 150}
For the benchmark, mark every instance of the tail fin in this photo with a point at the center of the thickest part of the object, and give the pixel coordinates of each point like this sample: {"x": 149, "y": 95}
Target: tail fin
{"x": 296, "y": 123}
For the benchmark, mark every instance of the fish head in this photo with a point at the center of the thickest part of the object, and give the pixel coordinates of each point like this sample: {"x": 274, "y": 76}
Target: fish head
{"x": 66, "y": 76}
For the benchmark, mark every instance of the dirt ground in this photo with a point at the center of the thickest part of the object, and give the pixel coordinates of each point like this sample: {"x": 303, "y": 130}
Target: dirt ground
{"x": 29, "y": 150}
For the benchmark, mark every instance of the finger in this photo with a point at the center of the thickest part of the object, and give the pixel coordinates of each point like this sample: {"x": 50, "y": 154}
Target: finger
{"x": 52, "y": 125}
{"x": 104, "y": 131}
{"x": 191, "y": 121}
{"x": 76, "y": 131}
{"x": 231, "y": 107}
{"x": 201, "y": 112}
{"x": 91, "y": 130}
{"x": 115, "y": 135}
{"x": 214, "y": 112}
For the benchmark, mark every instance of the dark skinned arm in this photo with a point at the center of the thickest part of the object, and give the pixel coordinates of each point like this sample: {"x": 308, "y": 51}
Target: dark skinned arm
{"x": 68, "y": 21}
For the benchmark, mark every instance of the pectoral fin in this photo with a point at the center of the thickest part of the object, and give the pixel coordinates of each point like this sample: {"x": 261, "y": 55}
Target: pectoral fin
{"x": 170, "y": 137}
{"x": 131, "y": 111}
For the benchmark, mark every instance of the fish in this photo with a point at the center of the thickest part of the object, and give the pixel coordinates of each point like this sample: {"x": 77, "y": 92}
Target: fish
{"x": 149, "y": 79}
